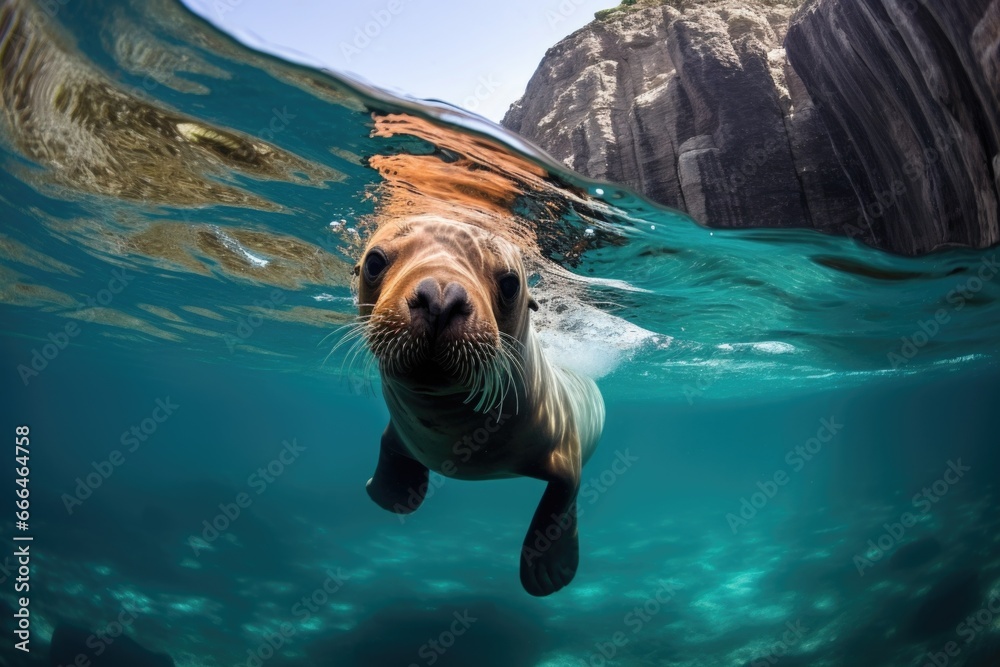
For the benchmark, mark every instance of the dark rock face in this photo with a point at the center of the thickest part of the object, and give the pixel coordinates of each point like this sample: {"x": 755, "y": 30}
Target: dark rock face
{"x": 882, "y": 122}
{"x": 912, "y": 104}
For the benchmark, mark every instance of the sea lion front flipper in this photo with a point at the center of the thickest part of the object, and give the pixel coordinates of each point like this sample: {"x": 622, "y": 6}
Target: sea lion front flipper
{"x": 399, "y": 482}
{"x": 551, "y": 550}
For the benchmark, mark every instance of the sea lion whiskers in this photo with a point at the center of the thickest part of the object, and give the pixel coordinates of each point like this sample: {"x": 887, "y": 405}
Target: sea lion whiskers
{"x": 378, "y": 336}
{"x": 501, "y": 379}
{"x": 504, "y": 375}
{"x": 485, "y": 372}
{"x": 458, "y": 306}
{"x": 512, "y": 351}
{"x": 463, "y": 360}
{"x": 360, "y": 347}
{"x": 482, "y": 367}
{"x": 348, "y": 333}
{"x": 355, "y": 334}
{"x": 496, "y": 385}
{"x": 403, "y": 348}
{"x": 388, "y": 340}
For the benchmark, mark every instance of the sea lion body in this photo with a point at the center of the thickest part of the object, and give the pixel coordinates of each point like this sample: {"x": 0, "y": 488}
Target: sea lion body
{"x": 469, "y": 390}
{"x": 449, "y": 437}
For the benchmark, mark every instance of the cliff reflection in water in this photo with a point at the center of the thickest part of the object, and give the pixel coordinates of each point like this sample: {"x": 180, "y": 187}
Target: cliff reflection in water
{"x": 195, "y": 210}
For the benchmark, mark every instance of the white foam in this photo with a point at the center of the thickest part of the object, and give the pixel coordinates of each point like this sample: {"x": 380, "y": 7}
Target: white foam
{"x": 585, "y": 339}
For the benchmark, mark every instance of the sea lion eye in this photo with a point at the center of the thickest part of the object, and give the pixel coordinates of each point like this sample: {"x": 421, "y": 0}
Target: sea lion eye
{"x": 510, "y": 285}
{"x": 375, "y": 264}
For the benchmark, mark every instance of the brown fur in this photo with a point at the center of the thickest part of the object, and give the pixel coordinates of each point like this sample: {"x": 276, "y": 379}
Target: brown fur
{"x": 483, "y": 371}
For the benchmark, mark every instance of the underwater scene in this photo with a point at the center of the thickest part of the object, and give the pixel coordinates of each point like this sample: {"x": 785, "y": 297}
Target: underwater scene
{"x": 799, "y": 462}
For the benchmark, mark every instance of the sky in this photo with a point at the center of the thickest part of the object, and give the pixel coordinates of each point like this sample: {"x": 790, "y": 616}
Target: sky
{"x": 475, "y": 55}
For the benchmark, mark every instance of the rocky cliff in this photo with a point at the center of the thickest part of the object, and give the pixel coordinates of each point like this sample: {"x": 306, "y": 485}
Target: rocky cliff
{"x": 878, "y": 119}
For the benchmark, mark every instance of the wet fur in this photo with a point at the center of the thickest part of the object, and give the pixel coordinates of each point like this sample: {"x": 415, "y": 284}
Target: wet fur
{"x": 487, "y": 373}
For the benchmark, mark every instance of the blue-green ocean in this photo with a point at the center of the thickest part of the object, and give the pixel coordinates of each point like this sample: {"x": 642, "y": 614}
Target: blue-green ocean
{"x": 800, "y": 461}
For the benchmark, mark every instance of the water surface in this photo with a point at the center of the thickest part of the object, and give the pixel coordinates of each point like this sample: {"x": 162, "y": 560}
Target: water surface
{"x": 180, "y": 217}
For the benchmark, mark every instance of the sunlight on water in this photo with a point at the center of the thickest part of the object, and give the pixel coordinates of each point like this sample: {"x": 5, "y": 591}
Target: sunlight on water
{"x": 168, "y": 168}
{"x": 170, "y": 196}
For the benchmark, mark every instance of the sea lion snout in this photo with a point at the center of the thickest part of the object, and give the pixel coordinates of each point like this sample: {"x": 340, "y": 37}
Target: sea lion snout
{"x": 445, "y": 311}
{"x": 438, "y": 310}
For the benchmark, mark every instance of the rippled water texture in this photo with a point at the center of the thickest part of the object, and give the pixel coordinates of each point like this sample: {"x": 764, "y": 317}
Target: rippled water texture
{"x": 136, "y": 138}
{"x": 186, "y": 214}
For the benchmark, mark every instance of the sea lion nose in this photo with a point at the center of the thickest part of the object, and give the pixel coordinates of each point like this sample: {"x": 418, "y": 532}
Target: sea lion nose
{"x": 439, "y": 308}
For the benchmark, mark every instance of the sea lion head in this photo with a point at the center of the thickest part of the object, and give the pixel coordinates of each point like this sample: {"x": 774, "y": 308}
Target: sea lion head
{"x": 444, "y": 304}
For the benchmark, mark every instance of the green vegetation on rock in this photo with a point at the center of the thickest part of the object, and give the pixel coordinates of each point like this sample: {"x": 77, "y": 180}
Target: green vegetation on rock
{"x": 682, "y": 5}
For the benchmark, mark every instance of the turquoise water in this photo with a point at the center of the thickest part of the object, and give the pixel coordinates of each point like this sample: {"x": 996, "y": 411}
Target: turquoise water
{"x": 800, "y": 459}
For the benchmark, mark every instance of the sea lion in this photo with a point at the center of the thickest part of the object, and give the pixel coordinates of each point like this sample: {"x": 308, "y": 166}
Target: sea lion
{"x": 444, "y": 308}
